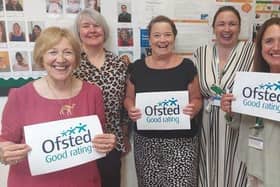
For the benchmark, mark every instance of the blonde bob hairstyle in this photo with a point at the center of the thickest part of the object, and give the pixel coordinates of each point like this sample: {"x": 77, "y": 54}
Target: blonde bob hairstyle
{"x": 95, "y": 16}
{"x": 50, "y": 37}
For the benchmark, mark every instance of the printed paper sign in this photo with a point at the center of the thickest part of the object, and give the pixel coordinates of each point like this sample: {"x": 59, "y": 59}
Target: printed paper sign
{"x": 162, "y": 110}
{"x": 257, "y": 94}
{"x": 62, "y": 144}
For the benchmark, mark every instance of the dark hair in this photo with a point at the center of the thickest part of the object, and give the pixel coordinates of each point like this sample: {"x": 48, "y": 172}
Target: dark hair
{"x": 96, "y": 6}
{"x": 18, "y": 54}
{"x": 260, "y": 65}
{"x": 33, "y": 36}
{"x": 165, "y": 19}
{"x": 224, "y": 9}
{"x": 38, "y": 27}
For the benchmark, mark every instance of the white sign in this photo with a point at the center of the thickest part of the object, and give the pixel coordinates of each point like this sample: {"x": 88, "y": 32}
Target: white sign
{"x": 162, "y": 110}
{"x": 62, "y": 144}
{"x": 257, "y": 94}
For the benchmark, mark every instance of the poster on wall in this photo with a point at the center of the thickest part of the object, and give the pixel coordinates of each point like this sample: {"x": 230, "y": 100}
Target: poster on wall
{"x": 267, "y": 9}
{"x": 264, "y": 10}
{"x": 144, "y": 43}
{"x": 20, "y": 26}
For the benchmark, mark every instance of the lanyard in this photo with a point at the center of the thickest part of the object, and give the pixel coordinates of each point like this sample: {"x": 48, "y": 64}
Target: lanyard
{"x": 259, "y": 123}
{"x": 218, "y": 71}
{"x": 216, "y": 64}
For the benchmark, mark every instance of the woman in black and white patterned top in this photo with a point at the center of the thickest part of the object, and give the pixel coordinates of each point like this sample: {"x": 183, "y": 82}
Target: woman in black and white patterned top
{"x": 217, "y": 64}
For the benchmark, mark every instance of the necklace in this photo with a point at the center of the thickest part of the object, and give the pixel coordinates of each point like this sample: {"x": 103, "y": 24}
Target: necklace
{"x": 66, "y": 108}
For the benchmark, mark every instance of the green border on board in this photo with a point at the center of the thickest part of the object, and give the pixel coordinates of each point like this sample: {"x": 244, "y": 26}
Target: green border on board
{"x": 6, "y": 85}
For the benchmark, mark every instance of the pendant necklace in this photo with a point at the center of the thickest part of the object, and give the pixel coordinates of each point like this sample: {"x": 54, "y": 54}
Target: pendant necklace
{"x": 66, "y": 108}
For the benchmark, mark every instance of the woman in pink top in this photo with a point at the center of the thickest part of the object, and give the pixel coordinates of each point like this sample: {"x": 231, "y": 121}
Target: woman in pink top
{"x": 55, "y": 96}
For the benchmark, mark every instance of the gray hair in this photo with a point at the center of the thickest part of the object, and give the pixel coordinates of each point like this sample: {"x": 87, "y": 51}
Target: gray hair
{"x": 94, "y": 15}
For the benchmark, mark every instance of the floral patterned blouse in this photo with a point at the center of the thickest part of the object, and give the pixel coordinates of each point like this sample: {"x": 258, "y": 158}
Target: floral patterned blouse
{"x": 111, "y": 78}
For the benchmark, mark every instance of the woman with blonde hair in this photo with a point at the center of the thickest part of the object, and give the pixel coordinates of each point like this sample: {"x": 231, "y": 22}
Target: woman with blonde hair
{"x": 17, "y": 35}
{"x": 52, "y": 93}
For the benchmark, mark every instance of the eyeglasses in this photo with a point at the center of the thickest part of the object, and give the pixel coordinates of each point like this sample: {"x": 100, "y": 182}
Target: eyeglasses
{"x": 65, "y": 54}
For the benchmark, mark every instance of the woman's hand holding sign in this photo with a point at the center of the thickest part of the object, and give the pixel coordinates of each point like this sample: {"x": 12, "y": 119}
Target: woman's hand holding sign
{"x": 11, "y": 153}
{"x": 195, "y": 99}
{"x": 134, "y": 113}
{"x": 226, "y": 102}
{"x": 104, "y": 143}
{"x": 190, "y": 110}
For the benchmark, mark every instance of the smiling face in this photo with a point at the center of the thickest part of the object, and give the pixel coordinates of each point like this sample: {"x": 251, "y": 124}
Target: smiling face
{"x": 16, "y": 28}
{"x": 227, "y": 29}
{"x": 162, "y": 39}
{"x": 19, "y": 58}
{"x": 271, "y": 47}
{"x": 91, "y": 4}
{"x": 91, "y": 33}
{"x": 37, "y": 30}
{"x": 59, "y": 61}
{"x": 123, "y": 8}
{"x": 124, "y": 35}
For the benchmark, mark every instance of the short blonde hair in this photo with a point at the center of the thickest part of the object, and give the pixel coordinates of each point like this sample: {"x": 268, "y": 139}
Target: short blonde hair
{"x": 94, "y": 15}
{"x": 50, "y": 37}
